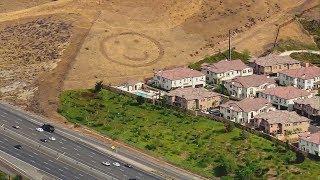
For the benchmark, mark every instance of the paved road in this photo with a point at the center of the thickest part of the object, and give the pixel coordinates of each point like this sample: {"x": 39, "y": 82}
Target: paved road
{"x": 75, "y": 150}
{"x": 40, "y": 160}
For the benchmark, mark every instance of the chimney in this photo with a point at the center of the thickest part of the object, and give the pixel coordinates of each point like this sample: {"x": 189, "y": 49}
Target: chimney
{"x": 306, "y": 64}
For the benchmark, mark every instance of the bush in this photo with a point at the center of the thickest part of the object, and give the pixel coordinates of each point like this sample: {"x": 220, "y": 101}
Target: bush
{"x": 228, "y": 127}
{"x": 98, "y": 86}
{"x": 151, "y": 147}
{"x": 140, "y": 100}
{"x": 226, "y": 166}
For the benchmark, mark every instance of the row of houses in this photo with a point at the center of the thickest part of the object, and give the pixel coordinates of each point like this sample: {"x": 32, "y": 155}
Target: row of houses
{"x": 273, "y": 94}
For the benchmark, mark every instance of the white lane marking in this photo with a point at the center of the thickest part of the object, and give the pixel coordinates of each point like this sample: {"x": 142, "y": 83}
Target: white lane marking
{"x": 32, "y": 161}
{"x": 121, "y": 170}
{"x": 61, "y": 170}
{"x": 50, "y": 160}
{"x": 64, "y": 140}
{"x": 5, "y": 113}
{"x": 80, "y": 175}
{"x": 2, "y": 115}
{"x": 47, "y": 168}
{"x": 35, "y": 153}
{"x": 1, "y": 141}
{"x": 45, "y": 162}
{"x": 63, "y": 147}
{"x": 30, "y": 155}
{"x": 90, "y": 155}
{"x": 75, "y": 149}
{"x": 60, "y": 142}
{"x": 78, "y": 154}
{"x": 66, "y": 168}
{"x": 5, "y": 139}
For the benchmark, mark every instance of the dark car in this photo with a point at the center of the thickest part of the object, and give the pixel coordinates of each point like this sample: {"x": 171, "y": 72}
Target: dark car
{"x": 128, "y": 165}
{"x": 44, "y": 140}
{"x": 18, "y": 146}
{"x": 215, "y": 112}
{"x": 48, "y": 128}
{"x": 16, "y": 127}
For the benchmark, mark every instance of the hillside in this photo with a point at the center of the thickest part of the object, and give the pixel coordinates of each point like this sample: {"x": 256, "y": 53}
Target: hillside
{"x": 122, "y": 39}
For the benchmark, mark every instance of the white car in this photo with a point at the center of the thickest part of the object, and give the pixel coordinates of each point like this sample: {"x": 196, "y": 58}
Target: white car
{"x": 116, "y": 164}
{"x": 52, "y": 138}
{"x": 106, "y": 163}
{"x": 39, "y": 129}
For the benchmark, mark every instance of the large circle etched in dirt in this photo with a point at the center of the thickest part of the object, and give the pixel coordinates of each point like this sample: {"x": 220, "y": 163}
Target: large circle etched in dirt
{"x": 132, "y": 49}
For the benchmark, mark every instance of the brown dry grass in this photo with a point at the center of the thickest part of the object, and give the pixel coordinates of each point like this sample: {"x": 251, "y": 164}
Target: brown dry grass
{"x": 117, "y": 40}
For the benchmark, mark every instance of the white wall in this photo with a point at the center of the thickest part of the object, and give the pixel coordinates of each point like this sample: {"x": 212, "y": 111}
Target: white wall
{"x": 211, "y": 76}
{"x": 242, "y": 93}
{"x": 168, "y": 84}
{"x": 297, "y": 82}
{"x": 309, "y": 147}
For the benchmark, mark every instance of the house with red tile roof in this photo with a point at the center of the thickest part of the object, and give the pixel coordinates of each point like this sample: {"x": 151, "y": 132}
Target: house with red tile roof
{"x": 281, "y": 123}
{"x": 248, "y": 86}
{"x": 309, "y": 107}
{"x": 225, "y": 70}
{"x": 193, "y": 98}
{"x": 303, "y": 78}
{"x": 272, "y": 64}
{"x": 179, "y": 77}
{"x": 310, "y": 143}
{"x": 245, "y": 110}
{"x": 283, "y": 96}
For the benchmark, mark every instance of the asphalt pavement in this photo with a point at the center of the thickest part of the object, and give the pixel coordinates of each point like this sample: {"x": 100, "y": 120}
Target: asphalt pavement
{"x": 80, "y": 152}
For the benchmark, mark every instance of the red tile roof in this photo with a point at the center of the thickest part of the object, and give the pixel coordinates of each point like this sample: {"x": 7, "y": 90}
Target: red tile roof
{"x": 303, "y": 73}
{"x": 288, "y": 92}
{"x": 251, "y": 81}
{"x": 226, "y": 65}
{"x": 281, "y": 117}
{"x": 314, "y": 138}
{"x": 193, "y": 93}
{"x": 247, "y": 105}
{"x": 273, "y": 59}
{"x": 179, "y": 73}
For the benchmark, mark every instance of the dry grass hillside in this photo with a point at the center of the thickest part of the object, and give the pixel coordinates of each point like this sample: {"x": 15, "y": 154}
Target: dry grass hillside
{"x": 123, "y": 39}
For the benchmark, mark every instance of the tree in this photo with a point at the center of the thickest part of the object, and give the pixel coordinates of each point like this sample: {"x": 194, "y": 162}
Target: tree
{"x": 229, "y": 127}
{"x": 226, "y": 165}
{"x": 244, "y": 135}
{"x": 140, "y": 100}
{"x": 98, "y": 86}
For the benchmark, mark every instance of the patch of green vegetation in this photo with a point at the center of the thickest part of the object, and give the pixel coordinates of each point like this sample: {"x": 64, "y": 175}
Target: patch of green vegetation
{"x": 307, "y": 57}
{"x": 313, "y": 27}
{"x": 289, "y": 45}
{"x": 244, "y": 56}
{"x": 198, "y": 144}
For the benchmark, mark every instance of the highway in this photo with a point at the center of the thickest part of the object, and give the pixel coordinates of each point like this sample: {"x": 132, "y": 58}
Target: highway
{"x": 40, "y": 160}
{"x": 77, "y": 151}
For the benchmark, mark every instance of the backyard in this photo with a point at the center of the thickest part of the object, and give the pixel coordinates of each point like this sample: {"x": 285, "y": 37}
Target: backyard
{"x": 198, "y": 144}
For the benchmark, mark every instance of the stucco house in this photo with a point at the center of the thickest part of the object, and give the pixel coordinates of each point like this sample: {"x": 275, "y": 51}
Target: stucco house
{"x": 248, "y": 86}
{"x": 303, "y": 78}
{"x": 283, "y": 97}
{"x": 281, "y": 123}
{"x": 245, "y": 110}
{"x": 272, "y": 64}
{"x": 193, "y": 98}
{"x": 309, "y": 107}
{"x": 131, "y": 86}
{"x": 225, "y": 70}
{"x": 179, "y": 77}
{"x": 310, "y": 143}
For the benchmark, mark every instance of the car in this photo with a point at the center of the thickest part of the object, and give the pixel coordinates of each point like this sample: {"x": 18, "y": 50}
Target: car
{"x": 52, "y": 138}
{"x": 106, "y": 163}
{"x": 116, "y": 164}
{"x": 18, "y": 146}
{"x": 128, "y": 165}
{"x": 48, "y": 128}
{"x": 215, "y": 112}
{"x": 16, "y": 127}
{"x": 44, "y": 140}
{"x": 39, "y": 129}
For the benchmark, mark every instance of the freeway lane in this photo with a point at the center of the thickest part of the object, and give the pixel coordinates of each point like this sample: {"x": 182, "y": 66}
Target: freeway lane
{"x": 40, "y": 160}
{"x": 75, "y": 150}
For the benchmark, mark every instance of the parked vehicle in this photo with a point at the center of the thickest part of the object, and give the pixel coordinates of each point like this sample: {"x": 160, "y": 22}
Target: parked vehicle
{"x": 215, "y": 112}
{"x": 44, "y": 140}
{"x": 39, "y": 129}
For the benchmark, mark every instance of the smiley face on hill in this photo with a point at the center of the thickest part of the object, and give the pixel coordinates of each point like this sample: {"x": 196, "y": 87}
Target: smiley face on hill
{"x": 132, "y": 49}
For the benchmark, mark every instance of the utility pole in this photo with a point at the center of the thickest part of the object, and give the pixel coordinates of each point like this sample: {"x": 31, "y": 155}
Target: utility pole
{"x": 229, "y": 45}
